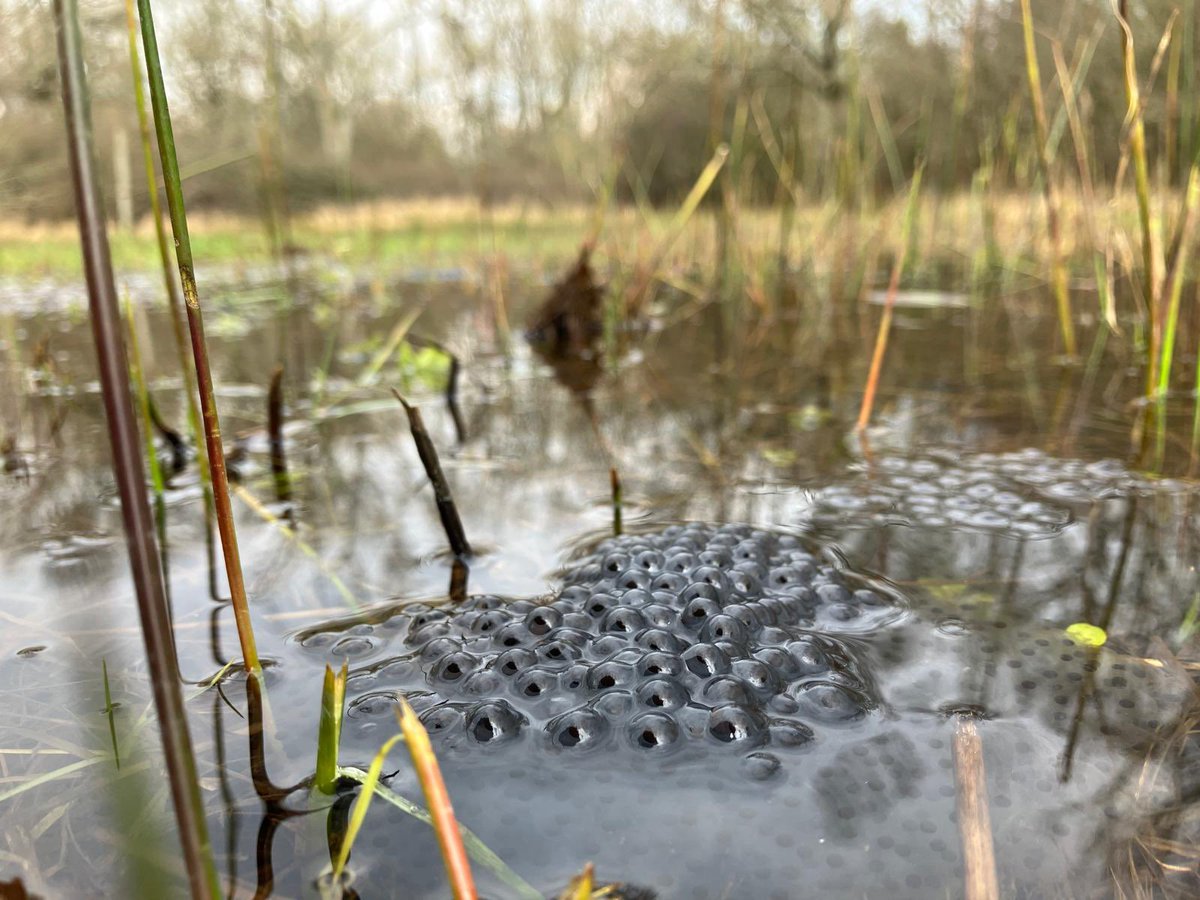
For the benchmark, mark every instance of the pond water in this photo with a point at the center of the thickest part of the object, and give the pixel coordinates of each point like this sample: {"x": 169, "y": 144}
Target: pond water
{"x": 754, "y": 692}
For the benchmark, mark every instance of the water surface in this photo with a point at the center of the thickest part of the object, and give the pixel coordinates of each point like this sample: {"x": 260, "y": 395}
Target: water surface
{"x": 992, "y": 508}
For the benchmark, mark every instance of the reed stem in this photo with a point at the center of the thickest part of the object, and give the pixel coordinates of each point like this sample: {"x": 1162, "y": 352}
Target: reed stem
{"x": 885, "y": 323}
{"x": 1058, "y": 267}
{"x": 191, "y": 295}
{"x": 127, "y": 462}
{"x": 1141, "y": 173}
{"x": 174, "y": 303}
{"x": 1183, "y": 242}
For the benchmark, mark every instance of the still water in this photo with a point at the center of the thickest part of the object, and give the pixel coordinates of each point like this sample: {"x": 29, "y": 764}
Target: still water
{"x": 754, "y": 692}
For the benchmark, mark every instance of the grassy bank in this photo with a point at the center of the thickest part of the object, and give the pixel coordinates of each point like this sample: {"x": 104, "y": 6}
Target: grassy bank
{"x": 953, "y": 237}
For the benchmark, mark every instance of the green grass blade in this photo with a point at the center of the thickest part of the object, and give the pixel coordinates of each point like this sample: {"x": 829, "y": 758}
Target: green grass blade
{"x": 479, "y": 852}
{"x": 1178, "y": 275}
{"x": 358, "y": 812}
{"x": 110, "y": 713}
{"x": 329, "y": 732}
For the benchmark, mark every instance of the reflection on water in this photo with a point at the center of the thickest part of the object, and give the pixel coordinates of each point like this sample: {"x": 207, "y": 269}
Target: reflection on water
{"x": 985, "y": 518}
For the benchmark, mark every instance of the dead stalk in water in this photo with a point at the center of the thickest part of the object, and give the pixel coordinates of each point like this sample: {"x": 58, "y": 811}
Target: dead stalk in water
{"x": 614, "y": 479}
{"x": 974, "y": 821}
{"x": 447, "y": 510}
{"x": 279, "y": 469}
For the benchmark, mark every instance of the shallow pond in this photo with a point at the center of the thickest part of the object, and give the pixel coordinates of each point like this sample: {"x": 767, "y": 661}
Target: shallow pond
{"x": 754, "y": 692}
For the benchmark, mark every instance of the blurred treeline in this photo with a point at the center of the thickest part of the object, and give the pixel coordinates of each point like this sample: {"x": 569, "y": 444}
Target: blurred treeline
{"x": 546, "y": 100}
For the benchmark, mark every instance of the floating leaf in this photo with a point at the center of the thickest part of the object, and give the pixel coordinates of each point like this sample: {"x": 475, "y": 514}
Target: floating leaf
{"x": 1088, "y": 635}
{"x": 779, "y": 456}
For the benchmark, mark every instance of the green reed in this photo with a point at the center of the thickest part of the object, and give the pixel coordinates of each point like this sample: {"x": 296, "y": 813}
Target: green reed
{"x": 1178, "y": 273}
{"x": 191, "y": 295}
{"x": 174, "y": 302}
{"x": 127, "y": 460}
{"x": 145, "y": 413}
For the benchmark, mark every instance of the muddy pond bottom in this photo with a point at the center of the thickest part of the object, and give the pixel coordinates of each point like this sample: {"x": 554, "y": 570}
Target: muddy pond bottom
{"x": 724, "y": 711}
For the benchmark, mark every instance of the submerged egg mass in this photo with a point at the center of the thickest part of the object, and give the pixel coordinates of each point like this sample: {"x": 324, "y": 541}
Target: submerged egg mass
{"x": 703, "y": 673}
{"x": 728, "y": 687}
{"x": 722, "y": 626}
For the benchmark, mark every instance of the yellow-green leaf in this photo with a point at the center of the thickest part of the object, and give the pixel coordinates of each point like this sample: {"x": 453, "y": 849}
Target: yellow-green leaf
{"x": 1088, "y": 635}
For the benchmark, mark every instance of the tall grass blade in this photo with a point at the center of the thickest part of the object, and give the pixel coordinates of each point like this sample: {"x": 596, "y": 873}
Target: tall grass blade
{"x": 368, "y": 374}
{"x": 290, "y": 533}
{"x": 191, "y": 294}
{"x": 1058, "y": 266}
{"x": 1175, "y": 281}
{"x": 145, "y": 411}
{"x": 1141, "y": 172}
{"x": 1171, "y": 112}
{"x": 136, "y": 372}
{"x": 1070, "y": 89}
{"x": 454, "y": 856}
{"x": 127, "y": 460}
